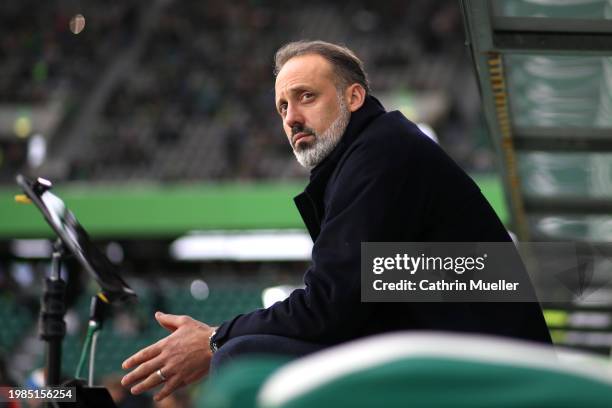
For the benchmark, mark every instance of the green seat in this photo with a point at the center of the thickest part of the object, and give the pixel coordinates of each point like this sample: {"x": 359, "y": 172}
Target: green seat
{"x": 434, "y": 370}
{"x": 238, "y": 383}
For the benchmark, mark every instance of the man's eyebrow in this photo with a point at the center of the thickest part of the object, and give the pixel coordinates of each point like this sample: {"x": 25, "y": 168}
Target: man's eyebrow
{"x": 299, "y": 89}
{"x": 295, "y": 90}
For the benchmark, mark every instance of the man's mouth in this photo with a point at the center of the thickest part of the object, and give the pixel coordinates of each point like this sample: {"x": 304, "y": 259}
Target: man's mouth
{"x": 299, "y": 136}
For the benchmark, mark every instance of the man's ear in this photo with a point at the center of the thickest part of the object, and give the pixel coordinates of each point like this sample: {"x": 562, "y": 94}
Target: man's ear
{"x": 355, "y": 95}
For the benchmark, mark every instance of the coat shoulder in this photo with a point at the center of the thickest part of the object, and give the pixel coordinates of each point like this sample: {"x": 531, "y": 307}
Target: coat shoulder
{"x": 392, "y": 142}
{"x": 393, "y": 145}
{"x": 393, "y": 134}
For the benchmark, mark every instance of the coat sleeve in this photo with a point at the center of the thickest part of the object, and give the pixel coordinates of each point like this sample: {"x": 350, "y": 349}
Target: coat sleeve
{"x": 362, "y": 206}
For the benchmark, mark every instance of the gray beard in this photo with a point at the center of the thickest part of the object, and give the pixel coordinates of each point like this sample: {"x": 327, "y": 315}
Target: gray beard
{"x": 324, "y": 143}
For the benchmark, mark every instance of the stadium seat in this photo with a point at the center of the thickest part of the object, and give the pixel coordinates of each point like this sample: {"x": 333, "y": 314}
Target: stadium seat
{"x": 434, "y": 370}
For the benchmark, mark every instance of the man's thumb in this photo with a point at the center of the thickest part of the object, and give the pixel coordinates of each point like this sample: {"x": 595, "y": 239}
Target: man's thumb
{"x": 167, "y": 321}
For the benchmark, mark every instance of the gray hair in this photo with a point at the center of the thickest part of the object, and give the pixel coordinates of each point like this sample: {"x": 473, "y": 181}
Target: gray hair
{"x": 348, "y": 69}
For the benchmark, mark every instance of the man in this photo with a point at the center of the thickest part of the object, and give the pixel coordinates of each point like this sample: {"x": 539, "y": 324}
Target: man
{"x": 374, "y": 177}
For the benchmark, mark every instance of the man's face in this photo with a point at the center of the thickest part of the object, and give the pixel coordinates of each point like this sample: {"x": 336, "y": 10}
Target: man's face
{"x": 314, "y": 113}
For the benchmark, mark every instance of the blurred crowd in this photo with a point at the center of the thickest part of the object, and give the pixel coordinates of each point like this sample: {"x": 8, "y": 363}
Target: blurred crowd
{"x": 196, "y": 103}
{"x": 39, "y": 52}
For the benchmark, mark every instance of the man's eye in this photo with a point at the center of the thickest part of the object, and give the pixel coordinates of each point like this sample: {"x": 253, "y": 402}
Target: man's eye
{"x": 282, "y": 108}
{"x": 307, "y": 96}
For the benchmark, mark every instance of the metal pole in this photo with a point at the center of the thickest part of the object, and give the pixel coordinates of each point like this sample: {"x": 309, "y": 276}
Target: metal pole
{"x": 51, "y": 325}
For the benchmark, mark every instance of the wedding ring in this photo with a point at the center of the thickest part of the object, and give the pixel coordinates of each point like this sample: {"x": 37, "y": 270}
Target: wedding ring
{"x": 161, "y": 375}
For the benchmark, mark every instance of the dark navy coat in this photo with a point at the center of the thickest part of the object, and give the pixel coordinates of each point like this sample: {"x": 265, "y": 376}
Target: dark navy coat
{"x": 385, "y": 181}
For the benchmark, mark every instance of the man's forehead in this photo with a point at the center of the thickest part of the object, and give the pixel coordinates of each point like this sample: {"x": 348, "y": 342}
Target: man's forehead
{"x": 310, "y": 69}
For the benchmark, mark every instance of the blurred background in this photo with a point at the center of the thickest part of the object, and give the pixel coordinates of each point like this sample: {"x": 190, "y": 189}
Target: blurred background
{"x": 156, "y": 121}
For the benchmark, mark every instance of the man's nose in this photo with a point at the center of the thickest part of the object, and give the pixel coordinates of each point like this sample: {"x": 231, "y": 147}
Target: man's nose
{"x": 294, "y": 116}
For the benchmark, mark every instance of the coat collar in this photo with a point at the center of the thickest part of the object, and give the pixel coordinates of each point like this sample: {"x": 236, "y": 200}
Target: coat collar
{"x": 310, "y": 202}
{"x": 319, "y": 175}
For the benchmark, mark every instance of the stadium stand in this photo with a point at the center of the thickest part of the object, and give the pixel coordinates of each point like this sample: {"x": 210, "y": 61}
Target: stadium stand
{"x": 172, "y": 91}
{"x": 16, "y": 320}
{"x": 129, "y": 329}
{"x": 183, "y": 91}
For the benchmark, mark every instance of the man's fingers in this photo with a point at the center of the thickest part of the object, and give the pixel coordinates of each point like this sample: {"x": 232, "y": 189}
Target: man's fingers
{"x": 169, "y": 321}
{"x": 152, "y": 381}
{"x": 142, "y": 371}
{"x": 170, "y": 386}
{"x": 181, "y": 356}
{"x": 143, "y": 355}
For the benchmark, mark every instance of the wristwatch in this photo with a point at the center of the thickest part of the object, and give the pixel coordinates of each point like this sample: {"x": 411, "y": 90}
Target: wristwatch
{"x": 211, "y": 342}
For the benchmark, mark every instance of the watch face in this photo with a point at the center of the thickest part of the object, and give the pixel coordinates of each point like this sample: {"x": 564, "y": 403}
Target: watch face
{"x": 211, "y": 342}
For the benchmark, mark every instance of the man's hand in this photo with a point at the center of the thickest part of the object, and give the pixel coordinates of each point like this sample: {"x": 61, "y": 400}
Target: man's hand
{"x": 183, "y": 357}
